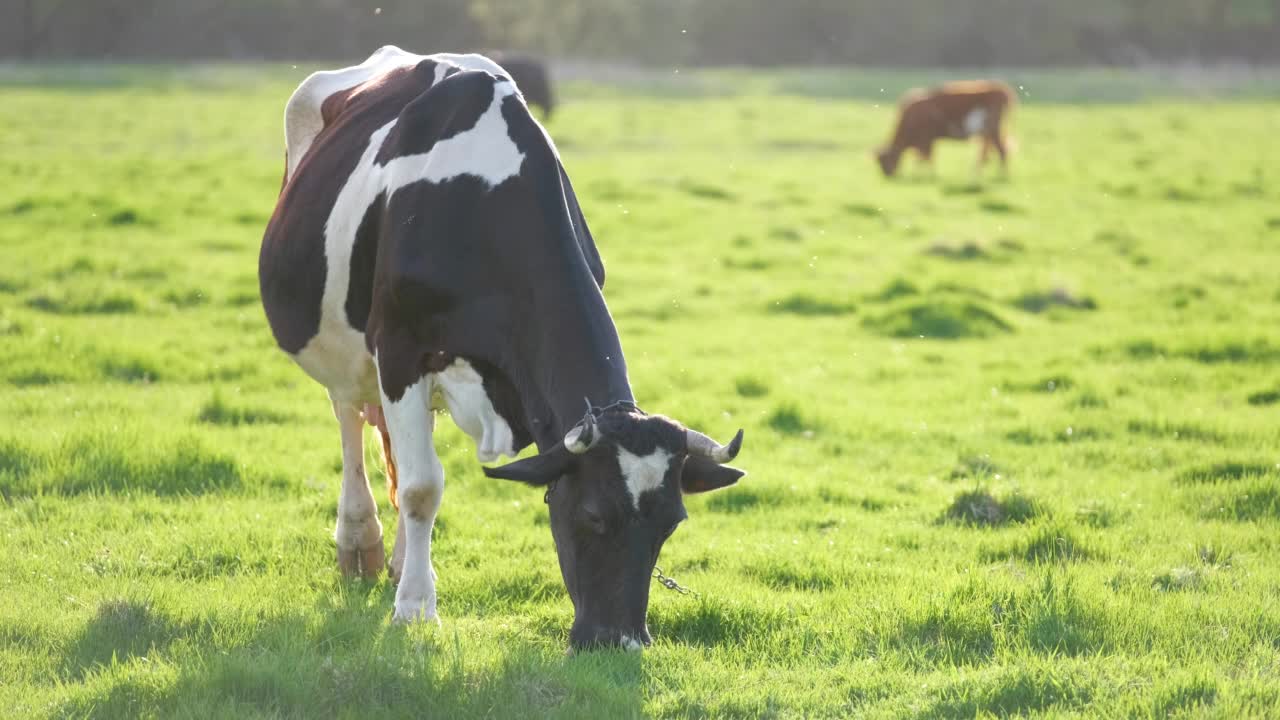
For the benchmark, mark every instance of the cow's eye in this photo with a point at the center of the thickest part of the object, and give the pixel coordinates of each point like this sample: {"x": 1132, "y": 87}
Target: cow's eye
{"x": 594, "y": 521}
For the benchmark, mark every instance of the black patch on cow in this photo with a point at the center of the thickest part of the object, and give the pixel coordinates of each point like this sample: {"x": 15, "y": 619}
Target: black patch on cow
{"x": 531, "y": 141}
{"x": 454, "y": 108}
{"x": 364, "y": 257}
{"x": 506, "y": 402}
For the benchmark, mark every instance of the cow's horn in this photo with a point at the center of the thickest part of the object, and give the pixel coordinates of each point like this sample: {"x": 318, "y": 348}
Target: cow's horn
{"x": 583, "y": 436}
{"x": 700, "y": 444}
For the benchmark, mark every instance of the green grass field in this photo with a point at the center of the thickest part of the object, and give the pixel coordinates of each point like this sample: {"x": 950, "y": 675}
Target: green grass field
{"x": 1014, "y": 447}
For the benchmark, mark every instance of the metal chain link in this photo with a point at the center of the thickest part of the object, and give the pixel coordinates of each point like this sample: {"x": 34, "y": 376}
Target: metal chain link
{"x": 670, "y": 583}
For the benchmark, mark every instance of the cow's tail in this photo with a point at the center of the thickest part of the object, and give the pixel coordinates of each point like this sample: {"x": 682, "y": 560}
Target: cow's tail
{"x": 390, "y": 464}
{"x": 373, "y": 415}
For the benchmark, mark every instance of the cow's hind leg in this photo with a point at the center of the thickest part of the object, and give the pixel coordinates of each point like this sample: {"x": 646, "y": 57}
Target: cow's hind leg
{"x": 406, "y": 406}
{"x": 358, "y": 533}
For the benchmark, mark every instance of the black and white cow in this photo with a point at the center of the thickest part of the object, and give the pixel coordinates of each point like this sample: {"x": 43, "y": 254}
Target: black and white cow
{"x": 427, "y": 251}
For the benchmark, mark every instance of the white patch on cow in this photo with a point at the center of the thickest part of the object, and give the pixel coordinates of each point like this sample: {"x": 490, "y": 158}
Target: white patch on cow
{"x": 975, "y": 121}
{"x": 473, "y": 411}
{"x": 411, "y": 425}
{"x": 336, "y": 356}
{"x": 631, "y": 644}
{"x": 302, "y": 118}
{"x": 643, "y": 473}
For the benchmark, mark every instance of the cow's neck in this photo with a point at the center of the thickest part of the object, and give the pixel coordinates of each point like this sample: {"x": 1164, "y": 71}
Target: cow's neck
{"x": 580, "y": 361}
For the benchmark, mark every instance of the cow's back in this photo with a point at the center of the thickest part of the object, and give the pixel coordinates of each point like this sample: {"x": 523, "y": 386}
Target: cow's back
{"x": 315, "y": 266}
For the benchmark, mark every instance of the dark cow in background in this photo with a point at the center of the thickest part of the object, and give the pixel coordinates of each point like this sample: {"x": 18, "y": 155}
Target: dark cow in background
{"x": 531, "y": 76}
{"x": 427, "y": 251}
{"x": 956, "y": 110}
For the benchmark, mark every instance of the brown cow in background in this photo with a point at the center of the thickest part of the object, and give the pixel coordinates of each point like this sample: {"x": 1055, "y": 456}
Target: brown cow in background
{"x": 956, "y": 110}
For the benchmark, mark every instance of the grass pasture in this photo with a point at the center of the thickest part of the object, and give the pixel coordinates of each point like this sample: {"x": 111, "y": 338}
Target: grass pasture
{"x": 1014, "y": 447}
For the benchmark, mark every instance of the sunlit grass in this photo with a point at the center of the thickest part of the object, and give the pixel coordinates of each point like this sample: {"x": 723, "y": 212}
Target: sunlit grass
{"x": 1011, "y": 443}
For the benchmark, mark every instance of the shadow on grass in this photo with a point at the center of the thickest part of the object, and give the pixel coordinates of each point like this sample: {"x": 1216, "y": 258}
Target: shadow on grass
{"x": 119, "y": 463}
{"x": 293, "y": 666}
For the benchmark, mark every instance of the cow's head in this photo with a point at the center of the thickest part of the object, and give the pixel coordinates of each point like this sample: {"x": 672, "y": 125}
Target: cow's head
{"x": 888, "y": 158}
{"x": 615, "y": 488}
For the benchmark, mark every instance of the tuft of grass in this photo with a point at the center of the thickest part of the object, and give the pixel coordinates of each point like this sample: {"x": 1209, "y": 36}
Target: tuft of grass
{"x": 967, "y": 250}
{"x": 1097, "y": 514}
{"x": 1264, "y": 397}
{"x": 897, "y": 288}
{"x": 787, "y": 420}
{"x": 217, "y": 411}
{"x": 807, "y": 305}
{"x": 1230, "y": 471}
{"x": 749, "y": 386}
{"x": 1040, "y": 301}
{"x": 1047, "y": 543}
{"x": 981, "y": 508}
{"x": 978, "y": 467}
{"x": 1174, "y": 431}
{"x": 940, "y": 320}
{"x": 113, "y": 303}
{"x": 117, "y": 463}
{"x": 1178, "y": 579}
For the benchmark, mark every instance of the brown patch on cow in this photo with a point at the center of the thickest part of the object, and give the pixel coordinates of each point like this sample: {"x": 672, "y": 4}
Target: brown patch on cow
{"x": 946, "y": 112}
{"x": 332, "y": 106}
{"x": 418, "y": 500}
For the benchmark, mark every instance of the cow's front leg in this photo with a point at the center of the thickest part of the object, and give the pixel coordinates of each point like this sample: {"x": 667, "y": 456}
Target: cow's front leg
{"x": 358, "y": 533}
{"x": 421, "y": 486}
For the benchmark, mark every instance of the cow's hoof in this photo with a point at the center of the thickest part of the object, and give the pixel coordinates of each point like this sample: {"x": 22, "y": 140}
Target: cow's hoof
{"x": 415, "y": 611}
{"x": 366, "y": 563}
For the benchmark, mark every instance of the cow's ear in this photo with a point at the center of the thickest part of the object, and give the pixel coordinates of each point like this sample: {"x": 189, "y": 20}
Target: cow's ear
{"x": 702, "y": 474}
{"x": 540, "y": 469}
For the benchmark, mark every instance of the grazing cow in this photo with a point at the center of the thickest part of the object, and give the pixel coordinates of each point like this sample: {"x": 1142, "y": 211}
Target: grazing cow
{"x": 532, "y": 78}
{"x": 427, "y": 251}
{"x": 956, "y": 110}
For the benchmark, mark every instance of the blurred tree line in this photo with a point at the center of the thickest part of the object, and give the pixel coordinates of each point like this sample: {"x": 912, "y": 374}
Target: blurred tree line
{"x": 752, "y": 32}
